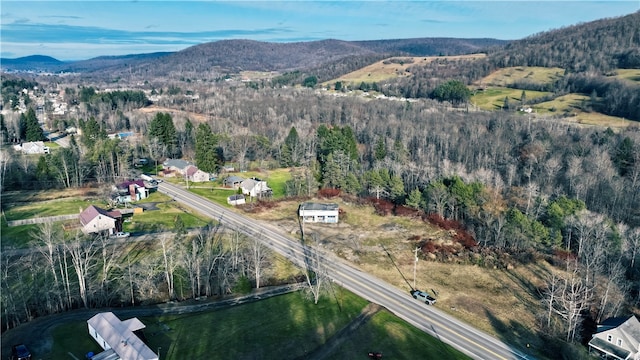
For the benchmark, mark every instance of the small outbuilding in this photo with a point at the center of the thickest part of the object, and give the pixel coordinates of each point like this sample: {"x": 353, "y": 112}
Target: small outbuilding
{"x": 319, "y": 212}
{"x": 236, "y": 199}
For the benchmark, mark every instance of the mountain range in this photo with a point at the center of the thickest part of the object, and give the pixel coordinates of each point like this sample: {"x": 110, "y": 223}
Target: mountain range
{"x": 236, "y": 55}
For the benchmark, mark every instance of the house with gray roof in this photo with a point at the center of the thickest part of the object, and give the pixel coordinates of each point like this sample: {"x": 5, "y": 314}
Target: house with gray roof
{"x": 256, "y": 188}
{"x": 233, "y": 181}
{"x": 319, "y": 212}
{"x": 617, "y": 338}
{"x": 118, "y": 338}
{"x": 175, "y": 165}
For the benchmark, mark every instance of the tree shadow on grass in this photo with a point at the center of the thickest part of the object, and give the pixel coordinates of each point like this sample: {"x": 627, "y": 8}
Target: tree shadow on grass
{"x": 524, "y": 340}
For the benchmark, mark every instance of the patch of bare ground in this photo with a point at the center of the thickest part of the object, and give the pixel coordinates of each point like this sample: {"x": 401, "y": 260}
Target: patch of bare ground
{"x": 174, "y": 112}
{"x": 499, "y": 297}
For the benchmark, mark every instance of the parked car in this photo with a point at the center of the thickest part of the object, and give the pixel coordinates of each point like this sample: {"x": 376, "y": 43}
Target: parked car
{"x": 423, "y": 296}
{"x": 121, "y": 234}
{"x": 20, "y": 352}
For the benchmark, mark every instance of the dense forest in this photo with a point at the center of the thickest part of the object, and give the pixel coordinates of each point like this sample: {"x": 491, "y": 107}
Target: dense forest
{"x": 531, "y": 187}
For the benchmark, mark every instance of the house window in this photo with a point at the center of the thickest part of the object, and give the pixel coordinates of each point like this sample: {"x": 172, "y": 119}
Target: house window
{"x": 619, "y": 342}
{"x": 609, "y": 338}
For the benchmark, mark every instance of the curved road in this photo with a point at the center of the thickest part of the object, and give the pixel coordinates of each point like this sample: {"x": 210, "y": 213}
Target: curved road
{"x": 473, "y": 342}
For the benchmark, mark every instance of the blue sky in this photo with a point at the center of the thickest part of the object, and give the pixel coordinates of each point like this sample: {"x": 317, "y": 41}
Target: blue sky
{"x": 75, "y": 30}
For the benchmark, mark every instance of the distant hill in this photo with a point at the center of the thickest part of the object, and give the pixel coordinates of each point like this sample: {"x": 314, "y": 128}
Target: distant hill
{"x": 236, "y": 55}
{"x": 33, "y": 62}
{"x": 110, "y": 62}
{"x": 599, "y": 45}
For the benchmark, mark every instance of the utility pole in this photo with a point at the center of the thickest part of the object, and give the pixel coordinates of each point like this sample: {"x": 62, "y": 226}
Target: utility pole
{"x": 415, "y": 265}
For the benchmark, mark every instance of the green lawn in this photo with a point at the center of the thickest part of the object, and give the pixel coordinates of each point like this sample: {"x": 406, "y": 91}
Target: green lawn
{"x": 282, "y": 327}
{"x": 216, "y": 195}
{"x": 395, "y": 339}
{"x": 64, "y": 206}
{"x": 165, "y": 218}
{"x": 493, "y": 98}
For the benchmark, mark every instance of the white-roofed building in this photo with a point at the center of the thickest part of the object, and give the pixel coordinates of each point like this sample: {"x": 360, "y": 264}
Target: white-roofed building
{"x": 319, "y": 212}
{"x": 117, "y": 337}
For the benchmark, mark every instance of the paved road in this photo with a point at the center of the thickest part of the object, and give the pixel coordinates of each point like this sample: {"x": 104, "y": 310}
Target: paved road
{"x": 429, "y": 319}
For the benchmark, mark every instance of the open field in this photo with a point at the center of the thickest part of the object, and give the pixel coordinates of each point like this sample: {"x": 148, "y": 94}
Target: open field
{"x": 570, "y": 106}
{"x": 534, "y": 74}
{"x": 493, "y": 98}
{"x": 282, "y": 327}
{"x": 393, "y": 67}
{"x": 628, "y": 74}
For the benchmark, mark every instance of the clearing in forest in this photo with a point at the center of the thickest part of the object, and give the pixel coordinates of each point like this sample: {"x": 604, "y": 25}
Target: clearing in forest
{"x": 394, "y": 67}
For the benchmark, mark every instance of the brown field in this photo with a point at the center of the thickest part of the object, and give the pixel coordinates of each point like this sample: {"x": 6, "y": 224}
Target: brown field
{"x": 499, "y": 301}
{"x": 393, "y": 67}
{"x": 174, "y": 112}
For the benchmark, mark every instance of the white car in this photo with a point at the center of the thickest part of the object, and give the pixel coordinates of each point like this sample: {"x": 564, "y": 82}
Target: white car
{"x": 121, "y": 234}
{"x": 423, "y": 296}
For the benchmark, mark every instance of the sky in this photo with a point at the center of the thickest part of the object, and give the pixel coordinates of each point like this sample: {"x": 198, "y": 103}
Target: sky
{"x": 77, "y": 30}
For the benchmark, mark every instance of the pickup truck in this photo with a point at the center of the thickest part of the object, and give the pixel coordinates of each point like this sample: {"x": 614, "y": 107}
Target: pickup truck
{"x": 423, "y": 296}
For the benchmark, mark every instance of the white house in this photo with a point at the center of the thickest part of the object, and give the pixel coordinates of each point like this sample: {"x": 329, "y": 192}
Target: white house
{"x": 33, "y": 147}
{"x": 255, "y": 188}
{"x": 318, "y": 212}
{"x": 617, "y": 338}
{"x": 94, "y": 219}
{"x": 196, "y": 175}
{"x": 117, "y": 338}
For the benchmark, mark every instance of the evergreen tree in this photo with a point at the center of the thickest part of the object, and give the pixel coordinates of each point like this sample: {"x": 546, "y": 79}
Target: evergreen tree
{"x": 414, "y": 200}
{"x": 162, "y": 128}
{"x": 33, "y": 131}
{"x": 380, "y": 151}
{"x": 208, "y": 157}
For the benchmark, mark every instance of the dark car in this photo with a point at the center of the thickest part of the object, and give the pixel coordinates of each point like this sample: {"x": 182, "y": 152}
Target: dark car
{"x": 20, "y": 352}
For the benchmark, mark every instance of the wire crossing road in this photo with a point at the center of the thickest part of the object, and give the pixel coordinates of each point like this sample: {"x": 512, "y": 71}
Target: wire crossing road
{"x": 429, "y": 319}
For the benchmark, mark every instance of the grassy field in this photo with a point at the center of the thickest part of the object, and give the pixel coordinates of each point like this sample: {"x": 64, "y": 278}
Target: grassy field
{"x": 493, "y": 98}
{"x": 282, "y": 327}
{"x": 393, "y": 68}
{"x": 571, "y": 105}
{"x": 629, "y": 74}
{"x": 534, "y": 74}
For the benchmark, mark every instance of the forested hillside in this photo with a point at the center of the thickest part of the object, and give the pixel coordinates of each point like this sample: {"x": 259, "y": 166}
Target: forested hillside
{"x": 589, "y": 54}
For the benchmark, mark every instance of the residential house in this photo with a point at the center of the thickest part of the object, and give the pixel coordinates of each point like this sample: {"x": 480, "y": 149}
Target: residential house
{"x": 130, "y": 191}
{"x": 319, "y": 212}
{"x": 171, "y": 166}
{"x": 94, "y": 220}
{"x": 233, "y": 181}
{"x": 255, "y": 187}
{"x": 196, "y": 175}
{"x": 617, "y": 338}
{"x": 118, "y": 338}
{"x": 236, "y": 199}
{"x": 32, "y": 147}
